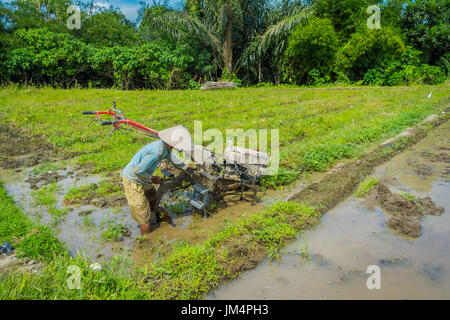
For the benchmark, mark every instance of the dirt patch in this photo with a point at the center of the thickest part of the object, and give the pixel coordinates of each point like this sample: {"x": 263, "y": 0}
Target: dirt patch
{"x": 405, "y": 214}
{"x": 430, "y": 208}
{"x": 92, "y": 197}
{"x": 440, "y": 157}
{"x": 241, "y": 255}
{"x": 12, "y": 263}
{"x": 43, "y": 179}
{"x": 19, "y": 149}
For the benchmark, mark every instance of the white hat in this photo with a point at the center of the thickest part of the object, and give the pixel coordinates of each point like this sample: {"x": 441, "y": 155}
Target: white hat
{"x": 178, "y": 137}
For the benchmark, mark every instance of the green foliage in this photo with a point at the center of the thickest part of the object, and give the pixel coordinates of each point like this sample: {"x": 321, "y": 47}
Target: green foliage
{"x": 311, "y": 50}
{"x": 368, "y": 49}
{"x": 426, "y": 25}
{"x": 346, "y": 15}
{"x": 40, "y": 56}
{"x": 366, "y": 186}
{"x": 407, "y": 70}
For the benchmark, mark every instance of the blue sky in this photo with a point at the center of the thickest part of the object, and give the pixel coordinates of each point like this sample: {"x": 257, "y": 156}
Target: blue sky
{"x": 130, "y": 7}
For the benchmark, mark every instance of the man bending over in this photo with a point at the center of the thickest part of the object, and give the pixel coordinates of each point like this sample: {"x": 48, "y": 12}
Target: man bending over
{"x": 138, "y": 179}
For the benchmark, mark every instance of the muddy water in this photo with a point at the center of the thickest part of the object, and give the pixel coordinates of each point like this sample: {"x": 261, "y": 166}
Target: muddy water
{"x": 82, "y": 228}
{"x": 353, "y": 236}
{"x": 80, "y": 237}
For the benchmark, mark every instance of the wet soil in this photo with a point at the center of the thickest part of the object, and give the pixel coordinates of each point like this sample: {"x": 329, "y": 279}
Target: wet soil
{"x": 331, "y": 261}
{"x": 22, "y": 149}
{"x": 13, "y": 264}
{"x": 406, "y": 214}
{"x": 46, "y": 178}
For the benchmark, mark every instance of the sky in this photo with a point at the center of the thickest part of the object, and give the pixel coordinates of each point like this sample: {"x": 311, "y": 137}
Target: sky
{"x": 130, "y": 7}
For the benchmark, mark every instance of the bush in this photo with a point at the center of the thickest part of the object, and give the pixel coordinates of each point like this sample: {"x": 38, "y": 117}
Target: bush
{"x": 310, "y": 53}
{"x": 426, "y": 26}
{"x": 39, "y": 56}
{"x": 406, "y": 71}
{"x": 368, "y": 49}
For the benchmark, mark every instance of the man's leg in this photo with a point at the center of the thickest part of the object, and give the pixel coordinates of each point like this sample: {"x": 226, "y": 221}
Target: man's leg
{"x": 139, "y": 205}
{"x": 145, "y": 229}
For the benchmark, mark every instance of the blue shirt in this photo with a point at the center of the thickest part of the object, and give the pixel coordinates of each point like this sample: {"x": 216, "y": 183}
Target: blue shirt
{"x": 145, "y": 162}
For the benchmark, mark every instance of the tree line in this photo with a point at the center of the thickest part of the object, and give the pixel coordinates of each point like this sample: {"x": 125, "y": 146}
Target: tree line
{"x": 252, "y": 42}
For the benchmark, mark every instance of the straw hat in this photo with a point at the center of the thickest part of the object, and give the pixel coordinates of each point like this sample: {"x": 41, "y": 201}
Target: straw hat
{"x": 178, "y": 137}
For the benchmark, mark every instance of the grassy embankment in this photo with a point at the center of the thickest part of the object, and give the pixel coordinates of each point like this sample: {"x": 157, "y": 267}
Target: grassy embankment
{"x": 341, "y": 125}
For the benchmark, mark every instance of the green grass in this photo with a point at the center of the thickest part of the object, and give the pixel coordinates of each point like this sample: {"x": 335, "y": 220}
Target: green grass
{"x": 46, "y": 195}
{"x": 317, "y": 127}
{"x": 366, "y": 186}
{"x": 114, "y": 231}
{"x": 31, "y": 239}
{"x": 408, "y": 196}
{"x": 43, "y": 168}
{"x": 88, "y": 222}
{"x": 104, "y": 188}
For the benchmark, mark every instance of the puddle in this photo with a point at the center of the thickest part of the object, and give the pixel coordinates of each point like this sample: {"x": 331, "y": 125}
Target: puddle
{"x": 82, "y": 227}
{"x": 353, "y": 236}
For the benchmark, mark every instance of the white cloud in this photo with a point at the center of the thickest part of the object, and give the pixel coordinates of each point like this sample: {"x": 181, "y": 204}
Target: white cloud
{"x": 102, "y": 4}
{"x": 130, "y": 10}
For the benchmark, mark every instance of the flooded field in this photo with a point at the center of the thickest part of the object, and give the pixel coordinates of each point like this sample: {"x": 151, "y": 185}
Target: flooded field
{"x": 81, "y": 227}
{"x": 83, "y": 221}
{"x": 331, "y": 261}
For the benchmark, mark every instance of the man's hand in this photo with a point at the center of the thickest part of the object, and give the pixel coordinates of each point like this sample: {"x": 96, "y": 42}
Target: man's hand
{"x": 156, "y": 180}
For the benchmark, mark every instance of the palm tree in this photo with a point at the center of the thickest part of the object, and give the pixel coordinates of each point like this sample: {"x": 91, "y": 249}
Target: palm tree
{"x": 273, "y": 41}
{"x": 217, "y": 24}
{"x": 213, "y": 25}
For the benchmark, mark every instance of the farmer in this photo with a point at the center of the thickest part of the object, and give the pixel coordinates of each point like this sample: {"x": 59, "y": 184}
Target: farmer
{"x": 138, "y": 176}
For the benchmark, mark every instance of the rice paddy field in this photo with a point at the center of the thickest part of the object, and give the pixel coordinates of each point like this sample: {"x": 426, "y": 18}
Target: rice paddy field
{"x": 43, "y": 132}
